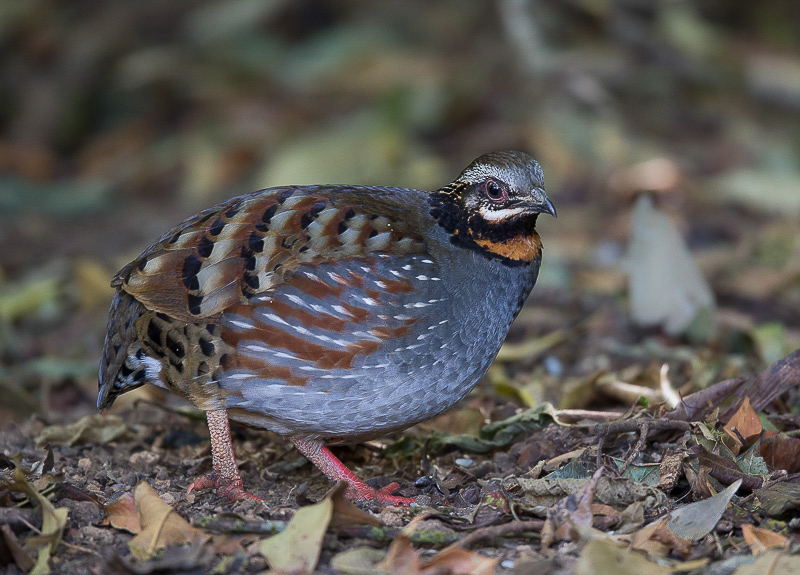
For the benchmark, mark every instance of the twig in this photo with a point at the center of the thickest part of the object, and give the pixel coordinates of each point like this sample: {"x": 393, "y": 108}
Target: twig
{"x": 644, "y": 430}
{"x": 494, "y": 531}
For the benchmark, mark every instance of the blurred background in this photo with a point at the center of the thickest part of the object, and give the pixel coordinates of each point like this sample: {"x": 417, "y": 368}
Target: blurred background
{"x": 119, "y": 119}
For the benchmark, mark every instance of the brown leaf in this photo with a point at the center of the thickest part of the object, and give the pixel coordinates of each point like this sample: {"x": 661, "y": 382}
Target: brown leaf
{"x": 160, "y": 525}
{"x": 572, "y": 514}
{"x": 744, "y": 427}
{"x": 760, "y": 540}
{"x": 781, "y": 452}
{"x": 666, "y": 540}
{"x": 15, "y": 549}
{"x": 122, "y": 513}
{"x": 459, "y": 561}
{"x": 345, "y": 512}
{"x": 401, "y": 559}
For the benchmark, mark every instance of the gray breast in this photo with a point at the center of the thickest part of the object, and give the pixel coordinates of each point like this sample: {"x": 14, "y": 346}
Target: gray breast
{"x": 406, "y": 338}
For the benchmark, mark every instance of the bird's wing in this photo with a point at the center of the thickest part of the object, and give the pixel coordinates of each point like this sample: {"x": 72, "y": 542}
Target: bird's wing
{"x": 237, "y": 250}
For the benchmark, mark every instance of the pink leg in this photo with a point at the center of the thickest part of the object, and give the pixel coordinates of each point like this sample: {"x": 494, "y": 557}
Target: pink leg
{"x": 335, "y": 470}
{"x": 225, "y": 477}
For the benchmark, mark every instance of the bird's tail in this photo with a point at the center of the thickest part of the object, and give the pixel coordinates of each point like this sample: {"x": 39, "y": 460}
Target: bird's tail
{"x": 121, "y": 366}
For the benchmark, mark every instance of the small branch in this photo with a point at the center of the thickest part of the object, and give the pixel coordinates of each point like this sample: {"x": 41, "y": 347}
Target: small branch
{"x": 495, "y": 531}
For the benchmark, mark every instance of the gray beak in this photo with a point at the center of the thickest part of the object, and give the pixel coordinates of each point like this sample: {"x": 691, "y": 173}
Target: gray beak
{"x": 542, "y": 203}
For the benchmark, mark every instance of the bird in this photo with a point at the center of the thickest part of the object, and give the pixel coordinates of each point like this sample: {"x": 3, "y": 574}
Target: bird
{"x": 329, "y": 313}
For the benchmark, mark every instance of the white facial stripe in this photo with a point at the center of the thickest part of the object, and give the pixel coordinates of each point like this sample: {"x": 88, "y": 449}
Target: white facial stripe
{"x": 498, "y": 215}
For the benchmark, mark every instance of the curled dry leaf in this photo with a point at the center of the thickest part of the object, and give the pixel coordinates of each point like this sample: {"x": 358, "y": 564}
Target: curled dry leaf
{"x": 160, "y": 525}
{"x": 54, "y": 520}
{"x": 571, "y": 516}
{"x": 295, "y": 551}
{"x": 744, "y": 427}
{"x": 90, "y": 429}
{"x": 761, "y": 540}
{"x": 122, "y": 513}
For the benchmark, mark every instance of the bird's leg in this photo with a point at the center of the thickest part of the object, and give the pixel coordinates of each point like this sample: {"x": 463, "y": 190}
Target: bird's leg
{"x": 335, "y": 470}
{"x": 225, "y": 477}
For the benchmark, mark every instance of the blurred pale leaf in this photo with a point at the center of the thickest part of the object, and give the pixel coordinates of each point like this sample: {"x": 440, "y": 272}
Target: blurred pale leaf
{"x": 599, "y": 556}
{"x": 666, "y": 286}
{"x": 767, "y": 191}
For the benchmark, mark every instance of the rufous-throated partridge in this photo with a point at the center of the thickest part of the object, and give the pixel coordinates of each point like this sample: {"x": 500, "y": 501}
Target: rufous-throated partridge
{"x": 329, "y": 313}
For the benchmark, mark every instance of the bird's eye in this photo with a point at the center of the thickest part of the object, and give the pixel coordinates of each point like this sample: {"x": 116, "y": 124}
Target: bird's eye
{"x": 494, "y": 191}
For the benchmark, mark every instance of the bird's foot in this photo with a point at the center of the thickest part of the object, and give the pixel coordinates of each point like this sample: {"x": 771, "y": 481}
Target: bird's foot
{"x": 360, "y": 491}
{"x": 231, "y": 488}
{"x": 335, "y": 470}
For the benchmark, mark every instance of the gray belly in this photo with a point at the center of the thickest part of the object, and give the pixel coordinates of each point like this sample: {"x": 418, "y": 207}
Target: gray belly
{"x": 416, "y": 352}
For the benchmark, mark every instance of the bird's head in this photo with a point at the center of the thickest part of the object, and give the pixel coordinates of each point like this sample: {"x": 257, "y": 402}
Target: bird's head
{"x": 493, "y": 205}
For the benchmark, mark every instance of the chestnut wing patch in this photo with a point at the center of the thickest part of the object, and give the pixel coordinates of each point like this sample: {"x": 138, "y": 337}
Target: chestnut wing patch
{"x": 332, "y": 323}
{"x": 231, "y": 253}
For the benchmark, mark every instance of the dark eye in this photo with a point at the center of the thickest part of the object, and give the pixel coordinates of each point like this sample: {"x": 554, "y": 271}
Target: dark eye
{"x": 494, "y": 191}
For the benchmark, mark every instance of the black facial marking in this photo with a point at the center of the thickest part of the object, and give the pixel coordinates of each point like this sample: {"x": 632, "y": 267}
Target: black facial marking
{"x": 174, "y": 238}
{"x": 139, "y": 375}
{"x": 141, "y": 265}
{"x": 232, "y": 212}
{"x": 342, "y": 228}
{"x": 351, "y": 213}
{"x": 465, "y": 226}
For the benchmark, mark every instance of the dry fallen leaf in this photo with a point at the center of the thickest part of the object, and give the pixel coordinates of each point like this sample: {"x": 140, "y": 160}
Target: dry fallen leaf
{"x": 54, "y": 520}
{"x": 99, "y": 429}
{"x": 572, "y": 515}
{"x": 744, "y": 427}
{"x": 122, "y": 513}
{"x": 600, "y": 556}
{"x": 781, "y": 452}
{"x": 295, "y": 551}
{"x": 403, "y": 559}
{"x": 696, "y": 520}
{"x": 160, "y": 525}
{"x": 761, "y": 540}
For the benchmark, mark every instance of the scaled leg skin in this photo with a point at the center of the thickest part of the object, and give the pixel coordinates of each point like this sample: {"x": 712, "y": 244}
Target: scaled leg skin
{"x": 335, "y": 470}
{"x": 225, "y": 477}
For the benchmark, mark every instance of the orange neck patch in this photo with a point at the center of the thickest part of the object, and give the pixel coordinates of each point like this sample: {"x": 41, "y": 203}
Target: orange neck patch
{"x": 527, "y": 248}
